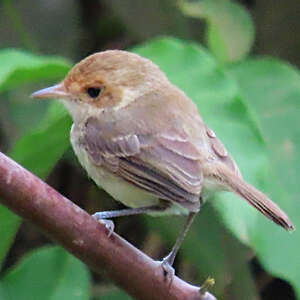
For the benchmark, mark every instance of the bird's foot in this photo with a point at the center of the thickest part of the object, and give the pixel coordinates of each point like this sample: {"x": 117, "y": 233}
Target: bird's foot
{"x": 109, "y": 224}
{"x": 168, "y": 270}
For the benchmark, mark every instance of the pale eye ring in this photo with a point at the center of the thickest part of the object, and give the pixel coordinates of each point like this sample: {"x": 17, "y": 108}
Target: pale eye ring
{"x": 93, "y": 92}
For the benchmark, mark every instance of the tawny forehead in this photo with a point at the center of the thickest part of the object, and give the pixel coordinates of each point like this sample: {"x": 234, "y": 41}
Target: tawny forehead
{"x": 109, "y": 63}
{"x": 109, "y": 60}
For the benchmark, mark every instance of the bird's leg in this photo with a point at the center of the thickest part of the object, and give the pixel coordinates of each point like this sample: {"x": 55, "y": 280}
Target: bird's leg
{"x": 127, "y": 212}
{"x": 168, "y": 261}
{"x": 103, "y": 216}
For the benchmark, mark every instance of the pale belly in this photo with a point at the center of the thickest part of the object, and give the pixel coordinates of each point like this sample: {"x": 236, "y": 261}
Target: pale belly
{"x": 118, "y": 188}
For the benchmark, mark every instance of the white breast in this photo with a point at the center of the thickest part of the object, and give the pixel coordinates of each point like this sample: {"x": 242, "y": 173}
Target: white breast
{"x": 118, "y": 188}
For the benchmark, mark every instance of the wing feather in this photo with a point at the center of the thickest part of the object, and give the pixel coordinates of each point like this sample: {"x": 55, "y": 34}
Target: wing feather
{"x": 163, "y": 164}
{"x": 220, "y": 152}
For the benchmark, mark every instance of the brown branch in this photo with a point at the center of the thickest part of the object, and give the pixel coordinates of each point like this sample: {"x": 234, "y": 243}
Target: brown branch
{"x": 80, "y": 234}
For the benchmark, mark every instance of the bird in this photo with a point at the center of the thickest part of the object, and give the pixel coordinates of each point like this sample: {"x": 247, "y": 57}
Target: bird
{"x": 142, "y": 140}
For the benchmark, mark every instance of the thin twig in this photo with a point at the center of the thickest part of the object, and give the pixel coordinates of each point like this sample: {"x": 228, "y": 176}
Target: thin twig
{"x": 83, "y": 236}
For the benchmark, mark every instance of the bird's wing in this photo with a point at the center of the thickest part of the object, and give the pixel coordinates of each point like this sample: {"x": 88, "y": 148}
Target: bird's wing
{"x": 166, "y": 165}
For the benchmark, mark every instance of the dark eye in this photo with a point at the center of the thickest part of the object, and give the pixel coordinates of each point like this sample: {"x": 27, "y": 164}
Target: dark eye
{"x": 93, "y": 91}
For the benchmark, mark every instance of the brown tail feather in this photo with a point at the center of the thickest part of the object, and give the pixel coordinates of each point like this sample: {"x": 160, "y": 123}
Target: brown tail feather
{"x": 256, "y": 198}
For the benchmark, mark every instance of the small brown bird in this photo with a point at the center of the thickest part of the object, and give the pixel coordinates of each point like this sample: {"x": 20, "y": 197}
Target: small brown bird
{"x": 143, "y": 141}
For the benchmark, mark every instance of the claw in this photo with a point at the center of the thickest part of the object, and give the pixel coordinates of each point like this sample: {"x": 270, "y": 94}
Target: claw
{"x": 109, "y": 224}
{"x": 168, "y": 271}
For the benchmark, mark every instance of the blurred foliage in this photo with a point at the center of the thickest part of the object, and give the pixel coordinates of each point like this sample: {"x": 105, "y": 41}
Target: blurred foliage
{"x": 251, "y": 103}
{"x": 226, "y": 40}
{"x": 48, "y": 139}
{"x": 49, "y": 273}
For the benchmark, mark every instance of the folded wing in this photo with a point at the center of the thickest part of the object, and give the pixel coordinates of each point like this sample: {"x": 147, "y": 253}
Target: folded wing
{"x": 165, "y": 164}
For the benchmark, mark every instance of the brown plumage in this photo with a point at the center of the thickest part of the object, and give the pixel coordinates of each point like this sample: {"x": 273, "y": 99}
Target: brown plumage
{"x": 143, "y": 140}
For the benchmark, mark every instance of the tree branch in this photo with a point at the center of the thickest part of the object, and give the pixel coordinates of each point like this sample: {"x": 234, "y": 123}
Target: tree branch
{"x": 87, "y": 239}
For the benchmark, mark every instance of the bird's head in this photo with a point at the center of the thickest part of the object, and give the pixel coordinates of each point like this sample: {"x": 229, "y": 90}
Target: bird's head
{"x": 110, "y": 79}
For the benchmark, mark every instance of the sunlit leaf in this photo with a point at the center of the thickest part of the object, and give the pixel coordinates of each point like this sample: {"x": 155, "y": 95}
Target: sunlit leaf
{"x": 272, "y": 91}
{"x": 18, "y": 67}
{"x": 230, "y": 30}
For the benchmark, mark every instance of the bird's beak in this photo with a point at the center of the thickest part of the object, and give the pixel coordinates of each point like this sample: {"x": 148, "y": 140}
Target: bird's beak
{"x": 55, "y": 91}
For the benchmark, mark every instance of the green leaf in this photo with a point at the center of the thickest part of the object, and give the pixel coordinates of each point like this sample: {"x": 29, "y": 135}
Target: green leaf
{"x": 230, "y": 30}
{"x": 248, "y": 149}
{"x": 19, "y": 67}
{"x": 272, "y": 91}
{"x": 39, "y": 150}
{"x": 193, "y": 69}
{"x": 114, "y": 294}
{"x": 48, "y": 273}
{"x": 9, "y": 224}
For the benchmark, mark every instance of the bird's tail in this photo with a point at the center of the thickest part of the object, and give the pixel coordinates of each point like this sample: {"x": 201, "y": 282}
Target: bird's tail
{"x": 256, "y": 198}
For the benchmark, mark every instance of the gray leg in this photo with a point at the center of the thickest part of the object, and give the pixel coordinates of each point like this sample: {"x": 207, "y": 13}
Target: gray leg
{"x": 127, "y": 212}
{"x": 168, "y": 261}
{"x": 103, "y": 216}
